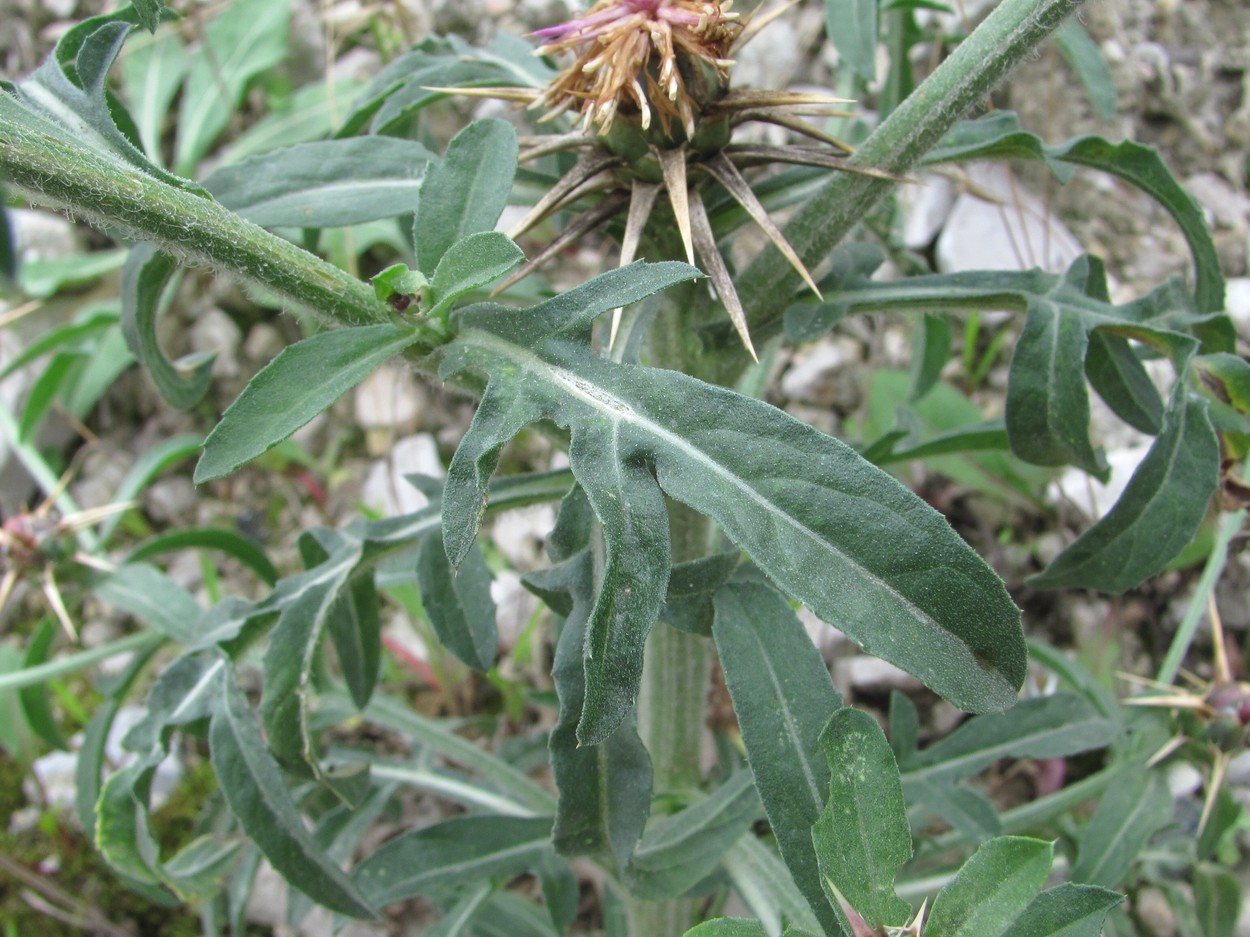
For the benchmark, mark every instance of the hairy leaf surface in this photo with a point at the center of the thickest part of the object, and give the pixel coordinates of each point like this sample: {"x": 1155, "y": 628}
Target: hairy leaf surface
{"x": 833, "y": 531}
{"x": 679, "y": 851}
{"x": 467, "y": 191}
{"x": 452, "y": 854}
{"x": 257, "y": 794}
{"x": 1065, "y": 911}
{"x": 783, "y": 697}
{"x": 605, "y": 788}
{"x": 325, "y": 184}
{"x": 991, "y": 889}
{"x": 862, "y": 838}
{"x": 281, "y": 399}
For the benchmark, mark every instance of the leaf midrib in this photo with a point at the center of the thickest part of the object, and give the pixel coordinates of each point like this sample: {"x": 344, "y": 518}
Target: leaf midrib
{"x": 618, "y": 410}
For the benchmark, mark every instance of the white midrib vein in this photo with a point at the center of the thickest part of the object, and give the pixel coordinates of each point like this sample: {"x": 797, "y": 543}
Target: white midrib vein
{"x": 792, "y": 729}
{"x": 619, "y": 411}
{"x": 201, "y": 685}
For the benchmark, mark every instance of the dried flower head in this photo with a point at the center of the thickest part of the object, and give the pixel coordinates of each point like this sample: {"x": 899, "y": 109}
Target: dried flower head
{"x": 633, "y": 55}
{"x": 664, "y": 62}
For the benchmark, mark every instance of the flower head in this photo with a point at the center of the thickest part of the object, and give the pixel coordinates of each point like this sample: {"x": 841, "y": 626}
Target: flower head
{"x": 639, "y": 56}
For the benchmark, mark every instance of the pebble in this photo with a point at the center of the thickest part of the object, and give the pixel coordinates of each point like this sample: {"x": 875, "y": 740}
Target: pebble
{"x": 872, "y": 675}
{"x": 1017, "y": 234}
{"x": 807, "y": 376}
{"x": 385, "y": 488}
{"x": 1237, "y": 302}
{"x": 214, "y": 332}
{"x": 389, "y": 398}
{"x": 926, "y": 207}
{"x": 1093, "y": 498}
{"x": 54, "y": 772}
{"x": 514, "y": 605}
{"x": 519, "y": 535}
{"x": 1151, "y": 907}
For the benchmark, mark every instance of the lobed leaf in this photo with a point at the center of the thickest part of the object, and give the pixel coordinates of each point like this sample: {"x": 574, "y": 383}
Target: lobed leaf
{"x": 846, "y": 539}
{"x": 68, "y": 95}
{"x": 605, "y": 788}
{"x": 1047, "y": 402}
{"x": 999, "y": 135}
{"x": 458, "y": 603}
{"x": 253, "y": 787}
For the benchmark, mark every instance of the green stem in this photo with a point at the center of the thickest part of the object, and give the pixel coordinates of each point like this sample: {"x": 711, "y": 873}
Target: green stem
{"x": 960, "y": 83}
{"x": 49, "y": 169}
{"x": 74, "y": 662}
{"x": 677, "y": 666}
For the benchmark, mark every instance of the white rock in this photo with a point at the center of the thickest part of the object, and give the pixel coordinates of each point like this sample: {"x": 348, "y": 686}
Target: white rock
{"x": 1013, "y": 232}
{"x": 1183, "y": 779}
{"x": 55, "y": 772}
{"x": 1227, "y": 206}
{"x": 826, "y": 638}
{"x": 170, "y": 500}
{"x": 1088, "y": 494}
{"x": 216, "y": 333}
{"x": 872, "y": 674}
{"x": 768, "y": 60}
{"x": 1237, "y": 302}
{"x": 385, "y": 488}
{"x": 925, "y": 209}
{"x": 514, "y": 604}
{"x": 806, "y": 375}
{"x": 1239, "y": 770}
{"x": 41, "y": 235}
{"x": 61, "y": 9}
{"x": 15, "y": 483}
{"x": 520, "y": 534}
{"x": 388, "y": 398}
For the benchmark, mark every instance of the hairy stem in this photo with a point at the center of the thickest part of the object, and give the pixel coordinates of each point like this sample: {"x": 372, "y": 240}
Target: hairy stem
{"x": 52, "y": 170}
{"x": 959, "y": 84}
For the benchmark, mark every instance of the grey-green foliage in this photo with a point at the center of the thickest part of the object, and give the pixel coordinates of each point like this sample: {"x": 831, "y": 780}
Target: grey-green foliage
{"x": 804, "y": 518}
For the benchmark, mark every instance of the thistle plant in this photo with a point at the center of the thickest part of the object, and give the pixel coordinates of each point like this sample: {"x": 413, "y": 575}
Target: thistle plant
{"x": 692, "y": 517}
